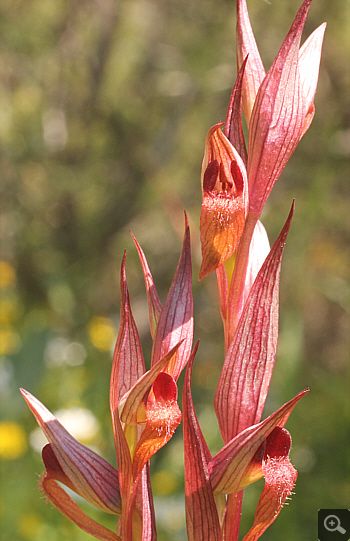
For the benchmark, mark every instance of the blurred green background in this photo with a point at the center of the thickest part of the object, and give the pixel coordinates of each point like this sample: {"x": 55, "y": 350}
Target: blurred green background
{"x": 105, "y": 106}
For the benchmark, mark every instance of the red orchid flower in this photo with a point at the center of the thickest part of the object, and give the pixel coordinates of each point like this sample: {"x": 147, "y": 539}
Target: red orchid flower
{"x": 225, "y": 200}
{"x": 144, "y": 412}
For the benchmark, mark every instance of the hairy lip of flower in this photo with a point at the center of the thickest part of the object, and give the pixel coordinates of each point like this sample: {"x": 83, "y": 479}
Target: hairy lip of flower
{"x": 165, "y": 415}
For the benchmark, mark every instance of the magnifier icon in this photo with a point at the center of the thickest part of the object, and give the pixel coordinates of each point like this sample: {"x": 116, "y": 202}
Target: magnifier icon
{"x": 332, "y": 524}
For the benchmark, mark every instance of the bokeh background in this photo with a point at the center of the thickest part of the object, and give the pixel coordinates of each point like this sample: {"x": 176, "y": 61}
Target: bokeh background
{"x": 105, "y": 105}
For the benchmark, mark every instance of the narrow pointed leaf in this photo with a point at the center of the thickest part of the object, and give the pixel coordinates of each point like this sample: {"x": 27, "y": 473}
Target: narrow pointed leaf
{"x": 128, "y": 363}
{"x": 246, "y": 46}
{"x": 64, "y": 503}
{"x": 228, "y": 466}
{"x": 176, "y": 318}
{"x": 278, "y": 117}
{"x": 154, "y": 304}
{"x": 127, "y": 368}
{"x": 89, "y": 474}
{"x": 233, "y": 123}
{"x": 201, "y": 513}
{"x": 248, "y": 366}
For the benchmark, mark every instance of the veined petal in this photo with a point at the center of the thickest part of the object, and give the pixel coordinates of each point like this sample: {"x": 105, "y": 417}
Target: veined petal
{"x": 246, "y": 46}
{"x": 233, "y": 124}
{"x": 64, "y": 503}
{"x": 163, "y": 417}
{"x": 128, "y": 362}
{"x": 278, "y": 117}
{"x": 154, "y": 304}
{"x": 280, "y": 477}
{"x": 225, "y": 201}
{"x": 127, "y": 368}
{"x": 201, "y": 514}
{"x": 228, "y": 466}
{"x": 176, "y": 318}
{"x": 309, "y": 63}
{"x": 132, "y": 407}
{"x": 246, "y": 374}
{"x": 77, "y": 466}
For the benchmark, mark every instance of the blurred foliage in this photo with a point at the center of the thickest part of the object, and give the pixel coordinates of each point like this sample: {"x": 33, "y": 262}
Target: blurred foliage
{"x": 105, "y": 105}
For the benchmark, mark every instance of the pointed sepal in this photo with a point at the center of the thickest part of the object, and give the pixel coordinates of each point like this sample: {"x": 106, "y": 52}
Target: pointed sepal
{"x": 77, "y": 466}
{"x": 176, "y": 318}
{"x": 309, "y": 63}
{"x": 247, "y": 370}
{"x": 227, "y": 468}
{"x": 154, "y": 304}
{"x": 247, "y": 48}
{"x": 278, "y": 117}
{"x": 201, "y": 513}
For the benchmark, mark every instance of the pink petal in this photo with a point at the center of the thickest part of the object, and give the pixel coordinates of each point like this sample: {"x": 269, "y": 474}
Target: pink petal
{"x": 233, "y": 124}
{"x": 228, "y": 466}
{"x": 84, "y": 471}
{"x": 154, "y": 304}
{"x": 176, "y": 318}
{"x": 248, "y": 366}
{"x": 246, "y": 46}
{"x": 128, "y": 363}
{"x": 309, "y": 63}
{"x": 127, "y": 368}
{"x": 278, "y": 117}
{"x": 201, "y": 514}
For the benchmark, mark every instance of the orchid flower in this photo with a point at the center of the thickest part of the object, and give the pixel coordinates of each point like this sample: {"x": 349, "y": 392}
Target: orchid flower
{"x": 144, "y": 412}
